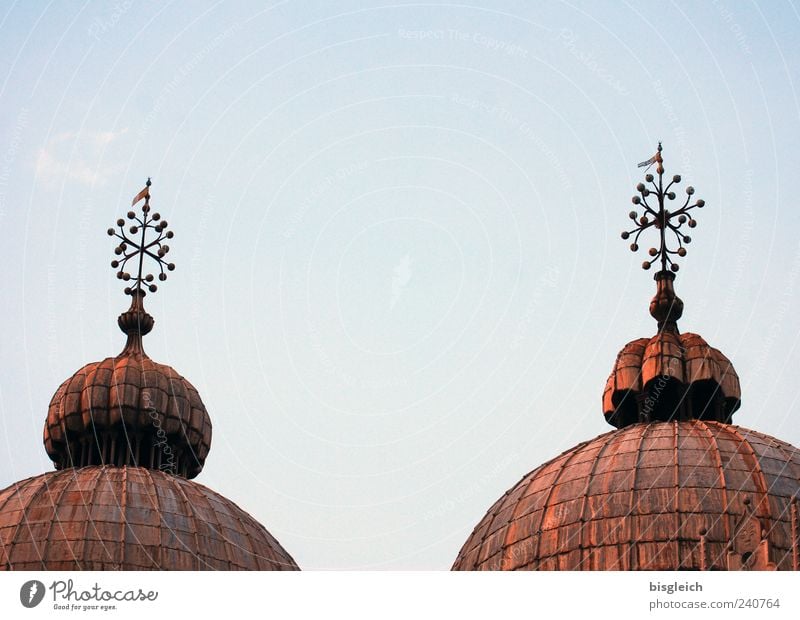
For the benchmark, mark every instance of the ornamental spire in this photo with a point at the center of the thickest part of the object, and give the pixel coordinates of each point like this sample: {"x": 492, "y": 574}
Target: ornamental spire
{"x": 138, "y": 245}
{"x": 670, "y": 376}
{"x": 144, "y": 239}
{"x": 668, "y": 223}
{"x": 128, "y": 410}
{"x": 665, "y": 307}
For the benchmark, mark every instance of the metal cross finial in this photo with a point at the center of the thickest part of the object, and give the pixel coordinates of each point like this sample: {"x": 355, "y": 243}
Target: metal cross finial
{"x": 138, "y": 245}
{"x": 660, "y": 218}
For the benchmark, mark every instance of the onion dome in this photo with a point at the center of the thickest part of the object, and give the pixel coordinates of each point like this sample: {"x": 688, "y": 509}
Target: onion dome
{"x": 129, "y": 518}
{"x": 126, "y": 436}
{"x": 129, "y": 410}
{"x": 676, "y": 486}
{"x": 671, "y": 375}
{"x": 679, "y": 495}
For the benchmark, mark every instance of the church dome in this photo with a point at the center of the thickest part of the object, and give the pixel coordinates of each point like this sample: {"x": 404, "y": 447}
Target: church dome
{"x": 651, "y": 496}
{"x": 129, "y": 400}
{"x": 129, "y": 518}
{"x": 677, "y": 485}
{"x": 126, "y": 435}
{"x": 671, "y": 375}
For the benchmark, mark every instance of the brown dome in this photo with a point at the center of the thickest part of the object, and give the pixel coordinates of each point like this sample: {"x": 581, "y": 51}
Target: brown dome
{"x": 676, "y": 486}
{"x": 105, "y": 406}
{"x": 126, "y": 434}
{"x": 670, "y": 375}
{"x": 659, "y": 496}
{"x": 129, "y": 410}
{"x": 129, "y": 518}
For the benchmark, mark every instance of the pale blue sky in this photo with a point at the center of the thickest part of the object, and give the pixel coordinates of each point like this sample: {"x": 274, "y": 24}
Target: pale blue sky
{"x": 400, "y": 284}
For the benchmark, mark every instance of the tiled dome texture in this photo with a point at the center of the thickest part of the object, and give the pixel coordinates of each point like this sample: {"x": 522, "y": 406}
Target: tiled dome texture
{"x": 129, "y": 518}
{"x": 679, "y": 372}
{"x": 111, "y": 412}
{"x": 639, "y": 498}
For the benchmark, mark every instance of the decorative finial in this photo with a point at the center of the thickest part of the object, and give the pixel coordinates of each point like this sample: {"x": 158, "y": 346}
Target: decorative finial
{"x": 138, "y": 245}
{"x": 660, "y": 218}
{"x": 136, "y": 322}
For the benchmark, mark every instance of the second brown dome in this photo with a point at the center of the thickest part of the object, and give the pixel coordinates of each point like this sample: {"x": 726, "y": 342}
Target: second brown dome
{"x": 660, "y": 496}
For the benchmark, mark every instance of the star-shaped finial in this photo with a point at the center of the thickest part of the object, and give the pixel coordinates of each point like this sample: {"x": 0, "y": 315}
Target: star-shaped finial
{"x": 660, "y": 218}
{"x": 135, "y": 243}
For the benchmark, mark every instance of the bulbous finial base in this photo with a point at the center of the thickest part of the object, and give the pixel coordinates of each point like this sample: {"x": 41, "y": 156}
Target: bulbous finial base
{"x": 135, "y": 322}
{"x": 666, "y": 307}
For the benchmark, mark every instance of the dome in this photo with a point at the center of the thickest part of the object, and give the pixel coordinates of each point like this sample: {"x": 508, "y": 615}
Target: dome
{"x": 671, "y": 375}
{"x": 129, "y": 518}
{"x": 697, "y": 375}
{"x": 651, "y": 496}
{"x": 126, "y": 435}
{"x": 677, "y": 485}
{"x": 129, "y": 410}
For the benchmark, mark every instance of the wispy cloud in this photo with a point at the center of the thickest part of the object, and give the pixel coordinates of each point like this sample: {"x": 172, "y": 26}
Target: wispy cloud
{"x": 78, "y": 157}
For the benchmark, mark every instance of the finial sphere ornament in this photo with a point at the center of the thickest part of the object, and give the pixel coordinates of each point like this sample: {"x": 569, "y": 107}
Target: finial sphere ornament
{"x": 657, "y": 217}
{"x": 148, "y": 242}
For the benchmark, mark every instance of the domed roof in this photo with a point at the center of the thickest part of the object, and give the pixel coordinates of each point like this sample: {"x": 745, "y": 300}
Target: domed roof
{"x": 676, "y": 486}
{"x": 129, "y": 410}
{"x": 671, "y": 375}
{"x": 655, "y": 496}
{"x": 125, "y": 435}
{"x": 129, "y": 518}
